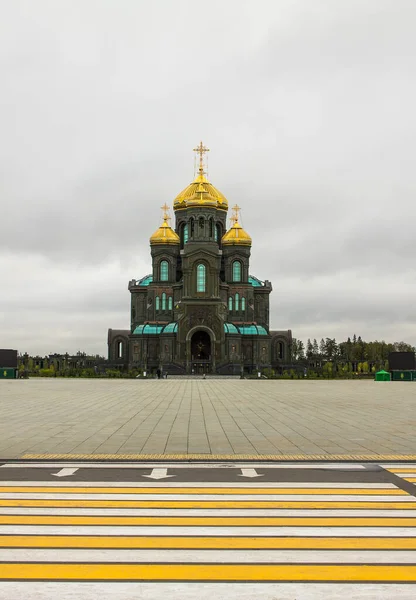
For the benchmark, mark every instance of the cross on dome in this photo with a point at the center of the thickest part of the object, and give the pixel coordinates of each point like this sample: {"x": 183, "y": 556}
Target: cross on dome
{"x": 201, "y": 150}
{"x": 235, "y": 216}
{"x": 165, "y": 209}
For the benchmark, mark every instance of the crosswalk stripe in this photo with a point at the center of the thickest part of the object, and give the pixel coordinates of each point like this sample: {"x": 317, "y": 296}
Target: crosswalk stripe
{"x": 171, "y": 531}
{"x": 207, "y": 572}
{"x": 213, "y": 521}
{"x": 207, "y": 542}
{"x": 205, "y": 486}
{"x": 207, "y": 512}
{"x": 45, "y": 555}
{"x": 202, "y": 490}
{"x": 404, "y": 504}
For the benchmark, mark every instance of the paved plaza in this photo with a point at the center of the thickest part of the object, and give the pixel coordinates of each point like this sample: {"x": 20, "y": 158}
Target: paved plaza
{"x": 213, "y": 417}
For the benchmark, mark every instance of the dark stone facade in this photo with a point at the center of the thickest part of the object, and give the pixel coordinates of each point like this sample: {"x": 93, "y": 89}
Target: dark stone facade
{"x": 196, "y": 316}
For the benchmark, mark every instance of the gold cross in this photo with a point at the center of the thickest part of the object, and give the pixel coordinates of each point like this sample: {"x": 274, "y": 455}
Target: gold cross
{"x": 165, "y": 209}
{"x": 234, "y": 218}
{"x": 201, "y": 150}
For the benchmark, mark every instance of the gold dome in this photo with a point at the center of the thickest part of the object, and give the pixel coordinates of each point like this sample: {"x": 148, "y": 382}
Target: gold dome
{"x": 200, "y": 193}
{"x": 236, "y": 236}
{"x": 164, "y": 235}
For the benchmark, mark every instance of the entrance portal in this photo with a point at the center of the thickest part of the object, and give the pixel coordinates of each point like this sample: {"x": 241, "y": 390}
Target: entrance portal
{"x": 201, "y": 352}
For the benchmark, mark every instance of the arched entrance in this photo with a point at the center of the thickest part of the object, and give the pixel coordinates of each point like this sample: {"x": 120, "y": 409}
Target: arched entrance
{"x": 201, "y": 354}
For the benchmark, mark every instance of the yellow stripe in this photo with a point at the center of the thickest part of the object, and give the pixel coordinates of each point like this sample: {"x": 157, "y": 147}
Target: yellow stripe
{"x": 203, "y": 504}
{"x": 410, "y": 479}
{"x": 205, "y": 491}
{"x": 223, "y": 457}
{"x": 205, "y": 543}
{"x": 210, "y": 521}
{"x": 208, "y": 572}
{"x": 409, "y": 469}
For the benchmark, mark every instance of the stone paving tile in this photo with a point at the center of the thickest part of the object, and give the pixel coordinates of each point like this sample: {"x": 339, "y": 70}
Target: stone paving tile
{"x": 206, "y": 416}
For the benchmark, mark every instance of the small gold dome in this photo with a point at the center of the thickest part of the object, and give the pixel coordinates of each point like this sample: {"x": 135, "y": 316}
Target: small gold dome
{"x": 236, "y": 236}
{"x": 200, "y": 193}
{"x": 164, "y": 235}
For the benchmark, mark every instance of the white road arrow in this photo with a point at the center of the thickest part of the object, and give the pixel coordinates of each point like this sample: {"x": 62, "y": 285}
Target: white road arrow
{"x": 65, "y": 472}
{"x": 250, "y": 473}
{"x": 159, "y": 474}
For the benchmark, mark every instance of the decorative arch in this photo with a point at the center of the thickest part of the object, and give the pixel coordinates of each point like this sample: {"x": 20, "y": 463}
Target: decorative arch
{"x": 201, "y": 328}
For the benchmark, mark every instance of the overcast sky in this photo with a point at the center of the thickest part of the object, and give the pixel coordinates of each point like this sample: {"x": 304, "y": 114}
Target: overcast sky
{"x": 308, "y": 108}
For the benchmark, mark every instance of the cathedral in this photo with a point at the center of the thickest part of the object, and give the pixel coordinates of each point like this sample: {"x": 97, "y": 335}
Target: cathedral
{"x": 200, "y": 310}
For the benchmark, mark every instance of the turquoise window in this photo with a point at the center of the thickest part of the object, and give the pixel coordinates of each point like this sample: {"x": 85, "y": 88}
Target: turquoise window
{"x": 236, "y": 301}
{"x": 185, "y": 234}
{"x": 170, "y": 303}
{"x": 157, "y": 303}
{"x": 164, "y": 270}
{"x": 163, "y": 301}
{"x": 243, "y": 303}
{"x": 236, "y": 270}
{"x": 200, "y": 278}
{"x": 230, "y": 303}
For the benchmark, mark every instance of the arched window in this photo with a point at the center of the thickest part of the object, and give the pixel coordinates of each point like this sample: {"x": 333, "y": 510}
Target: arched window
{"x": 164, "y": 270}
{"x": 281, "y": 350}
{"x": 119, "y": 349}
{"x": 243, "y": 303}
{"x": 236, "y": 270}
{"x": 230, "y": 303}
{"x": 185, "y": 233}
{"x": 236, "y": 301}
{"x": 191, "y": 227}
{"x": 211, "y": 227}
{"x": 201, "y": 222}
{"x": 163, "y": 301}
{"x": 170, "y": 303}
{"x": 200, "y": 278}
{"x": 157, "y": 303}
{"x": 217, "y": 232}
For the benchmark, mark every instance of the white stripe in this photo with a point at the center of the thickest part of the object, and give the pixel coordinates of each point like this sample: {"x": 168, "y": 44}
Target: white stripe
{"x": 404, "y": 474}
{"x": 207, "y": 556}
{"x": 398, "y": 465}
{"x": 44, "y": 590}
{"x": 194, "y": 465}
{"x": 192, "y": 484}
{"x": 212, "y": 498}
{"x": 207, "y": 512}
{"x": 212, "y": 531}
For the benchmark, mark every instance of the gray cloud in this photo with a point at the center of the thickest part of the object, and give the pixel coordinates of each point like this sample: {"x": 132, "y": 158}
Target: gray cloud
{"x": 308, "y": 109}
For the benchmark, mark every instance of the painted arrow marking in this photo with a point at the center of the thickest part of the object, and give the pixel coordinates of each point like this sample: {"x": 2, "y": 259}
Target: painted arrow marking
{"x": 250, "y": 473}
{"x": 159, "y": 474}
{"x": 65, "y": 472}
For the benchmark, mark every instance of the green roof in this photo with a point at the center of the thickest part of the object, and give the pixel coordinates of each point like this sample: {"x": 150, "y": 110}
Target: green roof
{"x": 245, "y": 329}
{"x": 254, "y": 281}
{"x": 152, "y": 329}
{"x": 146, "y": 280}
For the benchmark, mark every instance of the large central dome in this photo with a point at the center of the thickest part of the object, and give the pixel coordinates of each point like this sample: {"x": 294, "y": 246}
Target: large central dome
{"x": 200, "y": 193}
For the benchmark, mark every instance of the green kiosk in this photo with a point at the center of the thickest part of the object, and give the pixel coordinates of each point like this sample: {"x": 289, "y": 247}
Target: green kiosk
{"x": 382, "y": 376}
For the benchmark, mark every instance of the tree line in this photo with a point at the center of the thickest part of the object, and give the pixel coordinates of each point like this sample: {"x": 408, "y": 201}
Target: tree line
{"x": 353, "y": 355}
